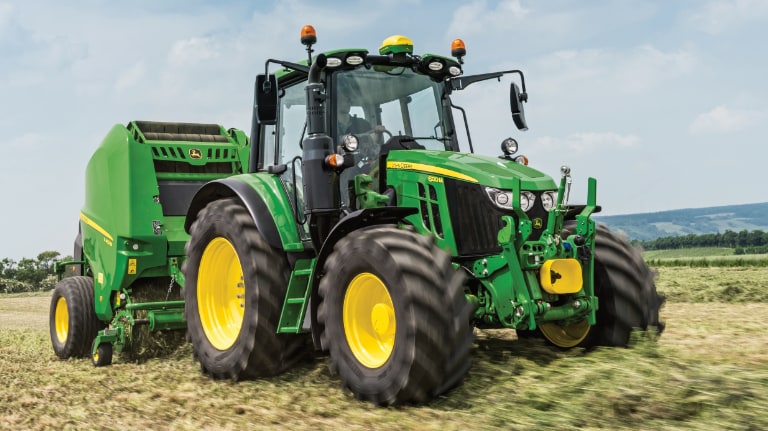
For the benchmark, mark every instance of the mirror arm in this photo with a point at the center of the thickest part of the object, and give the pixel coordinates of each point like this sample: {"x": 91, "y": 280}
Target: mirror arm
{"x": 286, "y": 64}
{"x": 462, "y": 82}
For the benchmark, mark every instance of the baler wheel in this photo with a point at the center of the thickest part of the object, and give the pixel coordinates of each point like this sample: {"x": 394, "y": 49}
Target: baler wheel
{"x": 72, "y": 318}
{"x": 103, "y": 355}
{"x": 234, "y": 288}
{"x": 395, "y": 317}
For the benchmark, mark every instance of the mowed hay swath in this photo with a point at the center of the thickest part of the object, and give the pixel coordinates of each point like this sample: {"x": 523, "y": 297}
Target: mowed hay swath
{"x": 708, "y": 371}
{"x": 141, "y": 343}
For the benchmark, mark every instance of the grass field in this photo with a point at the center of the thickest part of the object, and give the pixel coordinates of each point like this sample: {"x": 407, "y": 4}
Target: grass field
{"x": 688, "y": 253}
{"x": 708, "y": 371}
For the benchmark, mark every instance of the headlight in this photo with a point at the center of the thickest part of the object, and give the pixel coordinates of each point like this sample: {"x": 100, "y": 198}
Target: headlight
{"x": 548, "y": 200}
{"x": 500, "y": 198}
{"x": 526, "y": 200}
{"x": 350, "y": 143}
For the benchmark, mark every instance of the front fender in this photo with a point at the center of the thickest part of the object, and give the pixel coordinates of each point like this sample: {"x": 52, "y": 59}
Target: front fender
{"x": 353, "y": 221}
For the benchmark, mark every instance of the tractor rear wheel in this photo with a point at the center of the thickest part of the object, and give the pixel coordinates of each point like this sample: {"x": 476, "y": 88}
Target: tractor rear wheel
{"x": 626, "y": 293}
{"x": 72, "y": 319}
{"x": 394, "y": 316}
{"x": 234, "y": 288}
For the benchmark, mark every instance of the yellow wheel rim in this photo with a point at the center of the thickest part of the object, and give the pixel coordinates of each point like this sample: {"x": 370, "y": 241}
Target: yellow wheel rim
{"x": 565, "y": 336}
{"x": 369, "y": 320}
{"x": 61, "y": 320}
{"x": 220, "y": 293}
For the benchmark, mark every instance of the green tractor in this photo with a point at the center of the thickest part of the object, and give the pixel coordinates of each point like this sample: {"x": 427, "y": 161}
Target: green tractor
{"x": 361, "y": 223}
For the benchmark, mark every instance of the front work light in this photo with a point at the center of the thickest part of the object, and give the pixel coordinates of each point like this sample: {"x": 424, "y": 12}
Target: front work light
{"x": 350, "y": 143}
{"x": 509, "y": 146}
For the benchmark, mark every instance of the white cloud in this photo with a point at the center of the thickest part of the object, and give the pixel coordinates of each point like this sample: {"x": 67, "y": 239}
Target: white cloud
{"x": 725, "y": 120}
{"x": 721, "y": 15}
{"x": 586, "y": 142}
{"x": 6, "y": 10}
{"x": 28, "y": 142}
{"x": 193, "y": 51}
{"x": 476, "y": 17}
{"x": 130, "y": 77}
{"x": 647, "y": 66}
{"x": 635, "y": 71}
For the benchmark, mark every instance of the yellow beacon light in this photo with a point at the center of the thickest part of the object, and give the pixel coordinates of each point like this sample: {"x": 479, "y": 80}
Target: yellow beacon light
{"x": 308, "y": 35}
{"x": 396, "y": 45}
{"x": 458, "y": 49}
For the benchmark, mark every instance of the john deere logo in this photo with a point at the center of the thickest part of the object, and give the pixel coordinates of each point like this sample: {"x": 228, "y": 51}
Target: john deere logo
{"x": 537, "y": 223}
{"x": 195, "y": 153}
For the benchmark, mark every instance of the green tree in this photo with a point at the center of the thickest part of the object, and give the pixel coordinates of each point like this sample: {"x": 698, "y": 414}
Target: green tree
{"x": 46, "y": 259}
{"x": 7, "y": 269}
{"x": 35, "y": 274}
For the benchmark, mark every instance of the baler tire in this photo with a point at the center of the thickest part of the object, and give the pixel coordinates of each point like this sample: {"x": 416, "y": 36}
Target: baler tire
{"x": 625, "y": 288}
{"x": 103, "y": 355}
{"x": 401, "y": 278}
{"x": 73, "y": 323}
{"x": 254, "y": 348}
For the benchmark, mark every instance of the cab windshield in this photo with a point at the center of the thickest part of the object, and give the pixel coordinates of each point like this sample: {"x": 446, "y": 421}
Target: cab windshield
{"x": 382, "y": 102}
{"x": 373, "y": 104}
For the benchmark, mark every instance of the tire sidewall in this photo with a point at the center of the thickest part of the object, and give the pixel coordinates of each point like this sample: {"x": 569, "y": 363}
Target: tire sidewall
{"x": 82, "y": 323}
{"x": 62, "y": 350}
{"x": 371, "y": 257}
{"x": 202, "y": 236}
{"x": 226, "y": 219}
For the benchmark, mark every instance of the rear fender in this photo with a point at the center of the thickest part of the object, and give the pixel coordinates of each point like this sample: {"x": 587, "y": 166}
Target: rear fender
{"x": 263, "y": 196}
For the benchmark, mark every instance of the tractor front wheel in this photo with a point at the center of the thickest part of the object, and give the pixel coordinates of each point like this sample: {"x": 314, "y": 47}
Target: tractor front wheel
{"x": 627, "y": 296}
{"x": 72, "y": 318}
{"x": 395, "y": 318}
{"x": 235, "y": 285}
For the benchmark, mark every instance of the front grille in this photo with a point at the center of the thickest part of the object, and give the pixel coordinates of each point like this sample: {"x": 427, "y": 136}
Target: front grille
{"x": 476, "y": 221}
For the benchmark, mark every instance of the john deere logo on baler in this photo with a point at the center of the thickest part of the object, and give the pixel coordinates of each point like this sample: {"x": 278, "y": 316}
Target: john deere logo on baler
{"x": 195, "y": 153}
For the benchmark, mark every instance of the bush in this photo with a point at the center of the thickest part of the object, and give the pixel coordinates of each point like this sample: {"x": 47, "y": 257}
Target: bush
{"x": 14, "y": 286}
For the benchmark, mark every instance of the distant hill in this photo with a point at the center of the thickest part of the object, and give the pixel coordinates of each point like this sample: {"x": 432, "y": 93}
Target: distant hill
{"x": 649, "y": 226}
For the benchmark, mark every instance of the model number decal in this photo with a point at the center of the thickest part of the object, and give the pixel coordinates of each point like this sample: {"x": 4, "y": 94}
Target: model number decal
{"x": 399, "y": 165}
{"x": 433, "y": 179}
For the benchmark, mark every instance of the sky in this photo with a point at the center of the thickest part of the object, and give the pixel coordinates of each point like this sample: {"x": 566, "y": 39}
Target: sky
{"x": 664, "y": 102}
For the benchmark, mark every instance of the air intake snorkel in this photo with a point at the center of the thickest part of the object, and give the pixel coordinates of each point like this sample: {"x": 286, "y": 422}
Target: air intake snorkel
{"x": 320, "y": 195}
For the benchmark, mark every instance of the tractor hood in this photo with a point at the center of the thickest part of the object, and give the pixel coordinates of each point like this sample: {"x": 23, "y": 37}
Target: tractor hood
{"x": 473, "y": 168}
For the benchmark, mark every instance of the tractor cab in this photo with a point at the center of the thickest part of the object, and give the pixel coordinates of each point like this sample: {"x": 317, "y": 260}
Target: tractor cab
{"x": 369, "y": 104}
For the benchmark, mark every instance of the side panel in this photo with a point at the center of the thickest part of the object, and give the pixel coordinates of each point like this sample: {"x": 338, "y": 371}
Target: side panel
{"x": 120, "y": 202}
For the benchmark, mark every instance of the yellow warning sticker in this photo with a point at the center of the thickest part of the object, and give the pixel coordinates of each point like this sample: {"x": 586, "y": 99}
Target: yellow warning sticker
{"x": 131, "y": 266}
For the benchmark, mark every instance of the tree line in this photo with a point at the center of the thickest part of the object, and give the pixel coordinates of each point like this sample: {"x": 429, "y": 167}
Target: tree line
{"x": 743, "y": 242}
{"x": 29, "y": 275}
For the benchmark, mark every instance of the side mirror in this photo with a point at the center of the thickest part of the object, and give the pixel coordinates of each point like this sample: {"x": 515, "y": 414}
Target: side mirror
{"x": 265, "y": 99}
{"x": 516, "y": 100}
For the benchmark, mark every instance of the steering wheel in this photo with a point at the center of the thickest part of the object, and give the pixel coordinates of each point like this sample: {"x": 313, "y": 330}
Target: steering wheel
{"x": 377, "y": 130}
